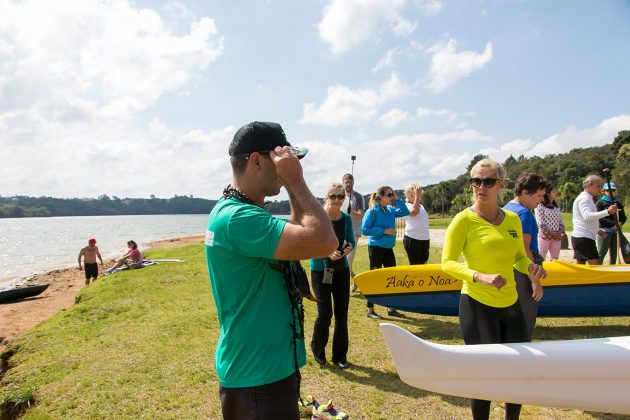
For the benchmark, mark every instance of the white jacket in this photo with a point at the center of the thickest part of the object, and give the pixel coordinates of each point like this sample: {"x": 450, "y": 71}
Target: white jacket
{"x": 586, "y": 217}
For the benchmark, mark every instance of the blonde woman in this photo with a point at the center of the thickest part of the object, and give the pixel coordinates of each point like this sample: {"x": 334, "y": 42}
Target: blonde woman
{"x": 379, "y": 225}
{"x": 417, "y": 238}
{"x": 330, "y": 278}
{"x": 491, "y": 240}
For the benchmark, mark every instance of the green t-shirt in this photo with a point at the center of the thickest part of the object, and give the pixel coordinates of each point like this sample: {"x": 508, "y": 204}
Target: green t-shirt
{"x": 256, "y": 341}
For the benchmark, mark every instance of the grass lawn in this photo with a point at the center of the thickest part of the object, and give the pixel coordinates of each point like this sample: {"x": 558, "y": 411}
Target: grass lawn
{"x": 140, "y": 344}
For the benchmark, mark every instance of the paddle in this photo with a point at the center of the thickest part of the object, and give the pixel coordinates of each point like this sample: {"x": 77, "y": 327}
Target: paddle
{"x": 606, "y": 172}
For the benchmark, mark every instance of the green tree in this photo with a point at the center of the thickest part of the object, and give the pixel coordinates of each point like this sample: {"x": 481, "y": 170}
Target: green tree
{"x": 622, "y": 172}
{"x": 623, "y": 138}
{"x": 568, "y": 191}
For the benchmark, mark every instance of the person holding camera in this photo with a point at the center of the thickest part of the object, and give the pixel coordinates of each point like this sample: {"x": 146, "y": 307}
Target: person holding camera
{"x": 261, "y": 345}
{"x": 379, "y": 225}
{"x": 330, "y": 278}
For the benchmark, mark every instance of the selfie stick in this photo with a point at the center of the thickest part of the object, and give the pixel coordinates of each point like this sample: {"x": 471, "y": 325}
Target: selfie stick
{"x": 606, "y": 172}
{"x": 352, "y": 158}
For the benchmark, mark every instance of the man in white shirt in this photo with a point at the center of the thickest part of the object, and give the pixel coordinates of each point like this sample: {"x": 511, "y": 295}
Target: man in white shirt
{"x": 586, "y": 221}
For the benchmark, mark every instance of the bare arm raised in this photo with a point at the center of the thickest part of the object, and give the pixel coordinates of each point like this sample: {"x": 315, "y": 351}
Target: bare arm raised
{"x": 308, "y": 233}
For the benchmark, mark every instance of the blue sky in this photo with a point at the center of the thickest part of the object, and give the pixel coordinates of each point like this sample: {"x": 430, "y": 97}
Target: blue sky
{"x": 132, "y": 98}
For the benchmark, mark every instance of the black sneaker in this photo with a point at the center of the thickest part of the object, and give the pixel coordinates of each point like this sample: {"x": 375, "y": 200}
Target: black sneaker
{"x": 396, "y": 314}
{"x": 343, "y": 365}
{"x": 320, "y": 360}
{"x": 373, "y": 315}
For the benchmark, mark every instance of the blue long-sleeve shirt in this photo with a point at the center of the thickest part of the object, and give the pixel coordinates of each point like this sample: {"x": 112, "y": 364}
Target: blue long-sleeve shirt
{"x": 376, "y": 220}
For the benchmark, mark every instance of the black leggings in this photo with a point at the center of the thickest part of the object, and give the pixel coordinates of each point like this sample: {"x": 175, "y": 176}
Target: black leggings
{"x": 379, "y": 258}
{"x": 483, "y": 324}
{"x": 339, "y": 292}
{"x": 417, "y": 250}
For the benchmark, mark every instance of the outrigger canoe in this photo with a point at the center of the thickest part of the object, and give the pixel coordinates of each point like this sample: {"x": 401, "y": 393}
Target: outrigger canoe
{"x": 589, "y": 375}
{"x": 24, "y": 292}
{"x": 570, "y": 290}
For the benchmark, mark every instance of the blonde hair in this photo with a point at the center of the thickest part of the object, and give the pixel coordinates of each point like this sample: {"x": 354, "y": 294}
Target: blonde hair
{"x": 410, "y": 190}
{"x": 491, "y": 164}
{"x": 332, "y": 187}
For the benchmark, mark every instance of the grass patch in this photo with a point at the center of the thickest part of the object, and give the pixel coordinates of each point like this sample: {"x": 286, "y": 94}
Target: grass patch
{"x": 140, "y": 344}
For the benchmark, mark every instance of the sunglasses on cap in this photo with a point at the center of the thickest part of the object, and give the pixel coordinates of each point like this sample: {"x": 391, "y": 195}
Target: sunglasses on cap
{"x": 487, "y": 182}
{"x": 337, "y": 196}
{"x": 299, "y": 152}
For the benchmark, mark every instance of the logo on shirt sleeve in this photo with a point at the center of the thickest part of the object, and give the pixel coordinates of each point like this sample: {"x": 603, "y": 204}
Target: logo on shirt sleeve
{"x": 209, "y": 238}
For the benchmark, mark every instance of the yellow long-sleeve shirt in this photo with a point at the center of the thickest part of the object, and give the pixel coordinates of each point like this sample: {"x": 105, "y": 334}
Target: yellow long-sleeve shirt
{"x": 487, "y": 249}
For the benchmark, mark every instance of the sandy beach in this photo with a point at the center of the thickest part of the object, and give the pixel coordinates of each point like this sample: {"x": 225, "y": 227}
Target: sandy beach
{"x": 19, "y": 317}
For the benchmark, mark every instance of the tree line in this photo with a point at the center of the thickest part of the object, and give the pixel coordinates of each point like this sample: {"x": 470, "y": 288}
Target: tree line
{"x": 565, "y": 170}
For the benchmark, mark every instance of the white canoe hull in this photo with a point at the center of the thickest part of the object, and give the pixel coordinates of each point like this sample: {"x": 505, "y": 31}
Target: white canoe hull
{"x": 589, "y": 375}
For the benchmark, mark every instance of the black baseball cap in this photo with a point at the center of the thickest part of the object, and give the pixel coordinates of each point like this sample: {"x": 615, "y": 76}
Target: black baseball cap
{"x": 260, "y": 137}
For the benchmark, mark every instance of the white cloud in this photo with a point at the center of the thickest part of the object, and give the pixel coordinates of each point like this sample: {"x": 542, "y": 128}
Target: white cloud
{"x": 74, "y": 77}
{"x": 387, "y": 60}
{"x": 347, "y": 23}
{"x": 431, "y": 7}
{"x": 422, "y": 112}
{"x": 393, "y": 117}
{"x": 572, "y": 137}
{"x": 449, "y": 66}
{"x": 344, "y": 106}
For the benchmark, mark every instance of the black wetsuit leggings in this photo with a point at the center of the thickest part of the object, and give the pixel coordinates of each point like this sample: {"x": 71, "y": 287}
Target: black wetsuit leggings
{"x": 483, "y": 324}
{"x": 379, "y": 258}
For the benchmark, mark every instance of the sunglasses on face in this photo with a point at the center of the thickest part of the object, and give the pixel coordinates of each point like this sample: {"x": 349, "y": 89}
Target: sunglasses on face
{"x": 389, "y": 194}
{"x": 337, "y": 196}
{"x": 487, "y": 182}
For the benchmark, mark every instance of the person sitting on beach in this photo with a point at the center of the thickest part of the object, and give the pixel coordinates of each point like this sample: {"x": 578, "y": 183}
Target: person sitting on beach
{"x": 132, "y": 258}
{"x": 89, "y": 254}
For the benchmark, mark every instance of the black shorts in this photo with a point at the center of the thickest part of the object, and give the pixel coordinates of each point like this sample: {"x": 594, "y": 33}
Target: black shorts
{"x": 91, "y": 270}
{"x": 584, "y": 249}
{"x": 277, "y": 400}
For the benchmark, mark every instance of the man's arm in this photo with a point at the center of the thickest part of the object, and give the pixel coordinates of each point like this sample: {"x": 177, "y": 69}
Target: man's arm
{"x": 98, "y": 254}
{"x": 80, "y": 256}
{"x": 309, "y": 232}
{"x": 357, "y": 210}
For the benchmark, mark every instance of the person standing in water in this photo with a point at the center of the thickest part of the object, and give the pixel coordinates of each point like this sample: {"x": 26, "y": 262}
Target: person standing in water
{"x": 89, "y": 254}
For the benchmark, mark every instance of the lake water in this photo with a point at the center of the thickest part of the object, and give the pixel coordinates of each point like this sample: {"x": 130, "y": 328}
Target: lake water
{"x": 35, "y": 245}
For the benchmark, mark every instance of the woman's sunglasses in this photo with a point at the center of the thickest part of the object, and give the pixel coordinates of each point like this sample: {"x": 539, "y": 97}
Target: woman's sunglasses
{"x": 487, "y": 182}
{"x": 389, "y": 194}
{"x": 337, "y": 196}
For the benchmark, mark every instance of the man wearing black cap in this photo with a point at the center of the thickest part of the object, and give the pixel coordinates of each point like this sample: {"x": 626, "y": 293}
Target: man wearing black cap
{"x": 261, "y": 345}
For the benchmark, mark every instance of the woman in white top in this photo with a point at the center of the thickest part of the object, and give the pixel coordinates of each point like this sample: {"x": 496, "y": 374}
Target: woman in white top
{"x": 550, "y": 225}
{"x": 417, "y": 239}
